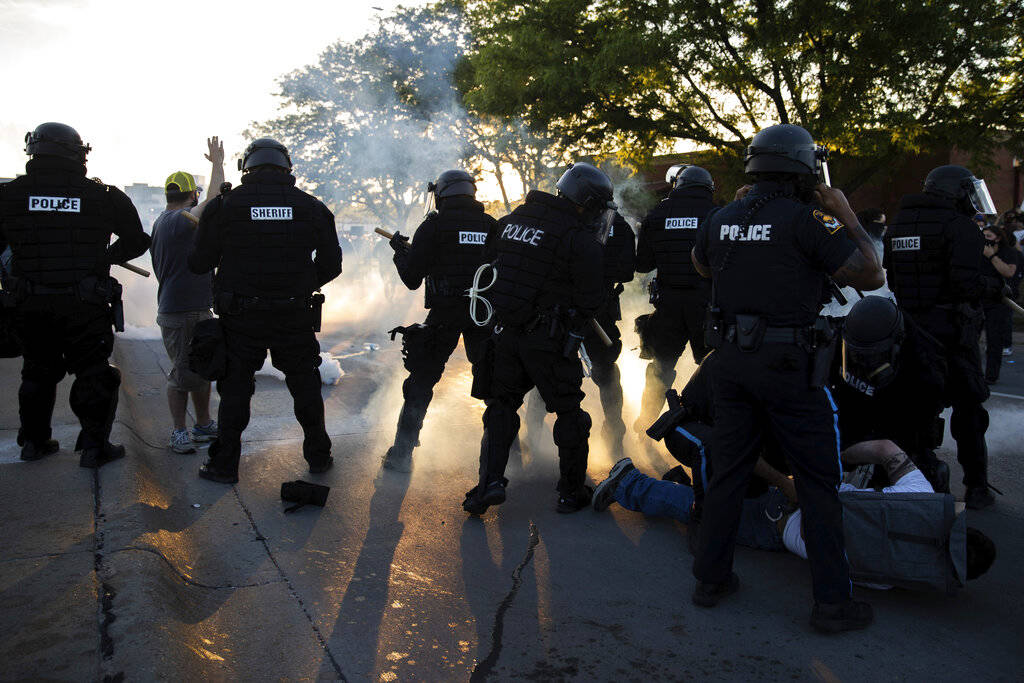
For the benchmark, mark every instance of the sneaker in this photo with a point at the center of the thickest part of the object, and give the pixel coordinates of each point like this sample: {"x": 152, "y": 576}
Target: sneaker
{"x": 477, "y": 503}
{"x": 709, "y": 594}
{"x": 211, "y": 473}
{"x": 604, "y": 494}
{"x": 1008, "y": 351}
{"x": 978, "y": 497}
{"x": 576, "y": 501}
{"x": 180, "y": 442}
{"x": 32, "y": 451}
{"x": 397, "y": 462}
{"x": 846, "y": 616}
{"x": 321, "y": 467}
{"x": 207, "y": 432}
{"x": 98, "y": 457}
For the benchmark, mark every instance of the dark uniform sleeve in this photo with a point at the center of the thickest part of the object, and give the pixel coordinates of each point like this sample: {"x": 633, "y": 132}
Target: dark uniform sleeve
{"x": 700, "y": 244}
{"x": 586, "y": 270}
{"x": 966, "y": 279}
{"x": 328, "y": 251}
{"x": 413, "y": 263}
{"x": 620, "y": 266}
{"x": 132, "y": 240}
{"x": 209, "y": 239}
{"x": 824, "y": 243}
{"x": 644, "y": 249}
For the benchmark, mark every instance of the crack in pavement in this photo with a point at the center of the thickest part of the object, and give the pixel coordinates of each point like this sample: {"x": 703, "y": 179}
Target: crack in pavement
{"x": 105, "y": 593}
{"x": 187, "y": 579}
{"x": 291, "y": 588}
{"x": 484, "y": 666}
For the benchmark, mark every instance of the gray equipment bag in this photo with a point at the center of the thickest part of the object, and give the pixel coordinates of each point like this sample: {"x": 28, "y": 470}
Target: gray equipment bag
{"x": 911, "y": 540}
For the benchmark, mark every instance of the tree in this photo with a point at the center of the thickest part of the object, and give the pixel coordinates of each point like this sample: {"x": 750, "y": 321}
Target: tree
{"x": 874, "y": 79}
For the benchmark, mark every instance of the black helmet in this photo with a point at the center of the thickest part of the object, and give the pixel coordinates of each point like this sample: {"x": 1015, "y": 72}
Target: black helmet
{"x": 56, "y": 139}
{"x": 591, "y": 189}
{"x": 873, "y": 333}
{"x": 694, "y": 176}
{"x": 958, "y": 183}
{"x": 265, "y": 152}
{"x": 453, "y": 183}
{"x": 784, "y": 148}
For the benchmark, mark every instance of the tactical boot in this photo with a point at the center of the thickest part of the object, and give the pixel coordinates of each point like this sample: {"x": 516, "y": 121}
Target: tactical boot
{"x": 604, "y": 494}
{"x": 98, "y": 457}
{"x": 709, "y": 594}
{"x": 845, "y": 616}
{"x": 211, "y": 473}
{"x": 576, "y": 501}
{"x": 321, "y": 466}
{"x": 397, "y": 460}
{"x": 678, "y": 475}
{"x": 33, "y": 451}
{"x": 979, "y": 497}
{"x": 476, "y": 503}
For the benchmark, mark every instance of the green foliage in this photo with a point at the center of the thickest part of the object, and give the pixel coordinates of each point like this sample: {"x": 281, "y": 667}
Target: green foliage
{"x": 874, "y": 79}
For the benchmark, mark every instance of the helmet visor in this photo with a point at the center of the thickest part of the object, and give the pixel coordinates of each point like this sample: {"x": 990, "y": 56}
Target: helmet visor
{"x": 871, "y": 367}
{"x": 672, "y": 172}
{"x": 980, "y": 198}
{"x": 821, "y": 166}
{"x": 602, "y": 224}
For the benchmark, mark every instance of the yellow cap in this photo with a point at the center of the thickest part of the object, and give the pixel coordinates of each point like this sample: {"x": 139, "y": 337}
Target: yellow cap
{"x": 183, "y": 182}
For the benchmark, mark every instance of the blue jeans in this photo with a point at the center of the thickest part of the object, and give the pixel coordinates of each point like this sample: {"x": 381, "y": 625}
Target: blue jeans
{"x": 654, "y": 497}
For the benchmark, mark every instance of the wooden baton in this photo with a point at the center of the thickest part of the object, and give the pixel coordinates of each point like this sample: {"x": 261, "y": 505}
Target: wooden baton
{"x": 1014, "y": 306}
{"x": 384, "y": 233}
{"x": 599, "y": 331}
{"x": 135, "y": 269}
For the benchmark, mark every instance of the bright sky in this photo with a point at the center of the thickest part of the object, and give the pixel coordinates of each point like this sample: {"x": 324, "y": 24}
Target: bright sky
{"x": 145, "y": 83}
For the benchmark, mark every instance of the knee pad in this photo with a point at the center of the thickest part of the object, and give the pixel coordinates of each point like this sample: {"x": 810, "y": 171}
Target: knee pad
{"x": 572, "y": 429}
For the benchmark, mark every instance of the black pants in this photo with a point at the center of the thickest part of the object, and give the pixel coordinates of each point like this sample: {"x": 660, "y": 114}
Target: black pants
{"x": 294, "y": 350}
{"x": 998, "y": 336}
{"x": 678, "y": 319}
{"x": 767, "y": 392}
{"x": 523, "y": 360}
{"x": 61, "y": 335}
{"x": 606, "y": 376}
{"x": 966, "y": 390}
{"x": 426, "y": 351}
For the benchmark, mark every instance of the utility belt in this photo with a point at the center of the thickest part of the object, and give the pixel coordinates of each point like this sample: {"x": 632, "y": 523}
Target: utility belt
{"x": 750, "y": 332}
{"x": 561, "y": 324}
{"x": 441, "y": 287}
{"x": 98, "y": 290}
{"x": 229, "y": 303}
{"x": 657, "y": 290}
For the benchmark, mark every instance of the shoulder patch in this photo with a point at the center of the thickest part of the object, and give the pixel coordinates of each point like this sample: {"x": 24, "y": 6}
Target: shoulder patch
{"x": 831, "y": 223}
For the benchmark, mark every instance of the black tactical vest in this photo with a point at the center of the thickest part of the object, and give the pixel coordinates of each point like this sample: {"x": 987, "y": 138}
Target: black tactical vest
{"x": 671, "y": 228}
{"x": 269, "y": 238}
{"x": 57, "y": 223}
{"x": 460, "y": 232}
{"x": 918, "y": 245}
{"x": 532, "y": 257}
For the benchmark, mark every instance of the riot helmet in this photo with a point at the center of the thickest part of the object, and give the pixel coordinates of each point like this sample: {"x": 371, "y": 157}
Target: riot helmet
{"x": 265, "y": 152}
{"x": 873, "y": 333}
{"x": 453, "y": 183}
{"x": 589, "y": 188}
{"x": 959, "y": 184}
{"x": 786, "y": 149}
{"x": 56, "y": 139}
{"x": 673, "y": 171}
{"x": 693, "y": 176}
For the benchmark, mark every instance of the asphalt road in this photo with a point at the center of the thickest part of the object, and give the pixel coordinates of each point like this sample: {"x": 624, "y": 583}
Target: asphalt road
{"x": 145, "y": 571}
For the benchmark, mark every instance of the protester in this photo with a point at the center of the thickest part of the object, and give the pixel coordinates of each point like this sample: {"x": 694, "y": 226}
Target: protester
{"x": 184, "y": 298}
{"x": 1001, "y": 262}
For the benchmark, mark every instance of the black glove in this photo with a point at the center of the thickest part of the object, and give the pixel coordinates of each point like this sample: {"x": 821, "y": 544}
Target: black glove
{"x": 399, "y": 242}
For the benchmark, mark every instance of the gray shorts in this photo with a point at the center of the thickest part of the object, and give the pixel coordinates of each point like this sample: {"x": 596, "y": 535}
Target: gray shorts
{"x": 177, "y": 330}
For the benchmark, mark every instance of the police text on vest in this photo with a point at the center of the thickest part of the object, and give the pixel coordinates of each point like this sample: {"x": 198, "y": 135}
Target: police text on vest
{"x": 906, "y": 244}
{"x": 62, "y": 204}
{"x": 466, "y": 237}
{"x": 270, "y": 213}
{"x": 680, "y": 223}
{"x": 755, "y": 233}
{"x": 521, "y": 233}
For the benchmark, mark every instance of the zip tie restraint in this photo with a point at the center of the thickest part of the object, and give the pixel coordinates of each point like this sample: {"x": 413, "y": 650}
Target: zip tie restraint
{"x": 474, "y": 295}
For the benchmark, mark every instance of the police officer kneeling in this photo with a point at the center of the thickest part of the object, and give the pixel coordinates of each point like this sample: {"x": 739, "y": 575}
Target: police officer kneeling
{"x": 260, "y": 237}
{"x": 58, "y": 224}
{"x": 768, "y": 254}
{"x": 447, "y": 248}
{"x": 548, "y": 257}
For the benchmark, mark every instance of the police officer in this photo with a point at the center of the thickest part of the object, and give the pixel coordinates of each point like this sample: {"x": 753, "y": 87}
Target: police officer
{"x": 548, "y": 258}
{"x": 446, "y": 251}
{"x": 933, "y": 267}
{"x": 888, "y": 382}
{"x": 768, "y": 254}
{"x": 58, "y": 225}
{"x": 679, "y": 293}
{"x": 261, "y": 237}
